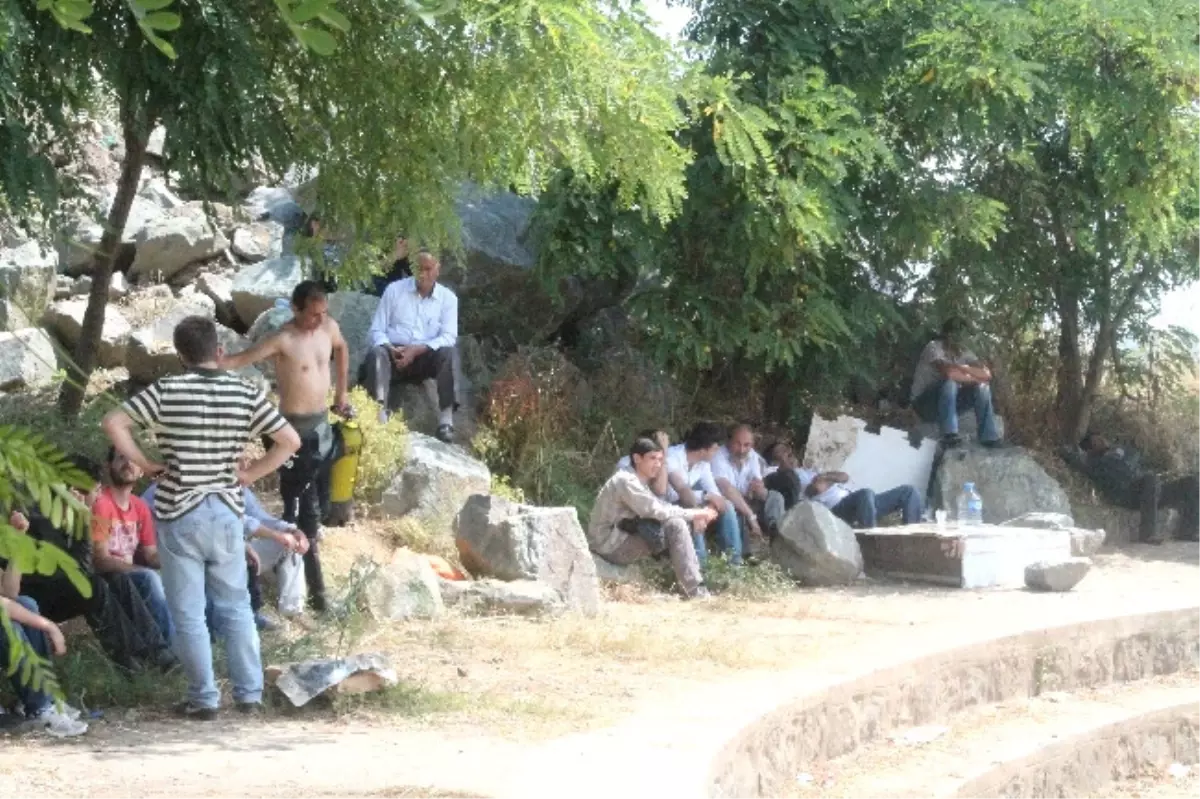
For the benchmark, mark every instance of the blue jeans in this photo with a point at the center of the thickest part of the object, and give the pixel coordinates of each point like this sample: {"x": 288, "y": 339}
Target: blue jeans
{"x": 863, "y": 508}
{"x": 203, "y": 556}
{"x": 944, "y": 401}
{"x": 149, "y": 586}
{"x": 729, "y": 537}
{"x": 33, "y": 701}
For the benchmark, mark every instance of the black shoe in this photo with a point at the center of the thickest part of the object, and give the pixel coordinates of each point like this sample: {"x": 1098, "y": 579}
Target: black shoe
{"x": 445, "y": 433}
{"x": 951, "y": 440}
{"x": 194, "y": 712}
{"x": 998, "y": 443}
{"x": 317, "y": 603}
{"x": 249, "y": 708}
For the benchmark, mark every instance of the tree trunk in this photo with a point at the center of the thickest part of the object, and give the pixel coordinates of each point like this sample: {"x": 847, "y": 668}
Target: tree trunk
{"x": 1070, "y": 364}
{"x": 70, "y": 400}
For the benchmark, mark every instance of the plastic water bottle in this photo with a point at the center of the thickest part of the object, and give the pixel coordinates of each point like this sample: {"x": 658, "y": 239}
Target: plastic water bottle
{"x": 970, "y": 506}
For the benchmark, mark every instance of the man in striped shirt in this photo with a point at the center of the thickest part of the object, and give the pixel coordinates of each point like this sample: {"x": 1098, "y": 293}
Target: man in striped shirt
{"x": 202, "y": 421}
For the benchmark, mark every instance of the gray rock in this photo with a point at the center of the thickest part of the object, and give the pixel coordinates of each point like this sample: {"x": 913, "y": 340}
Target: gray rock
{"x": 257, "y": 241}
{"x": 407, "y": 588}
{"x": 65, "y": 320}
{"x": 434, "y": 484}
{"x": 156, "y": 191}
{"x": 1084, "y": 543}
{"x": 27, "y": 283}
{"x": 276, "y": 203}
{"x": 168, "y": 244}
{"x": 81, "y": 286}
{"x": 304, "y": 681}
{"x": 62, "y": 287}
{"x": 1059, "y": 575}
{"x": 219, "y": 289}
{"x": 816, "y": 547}
{"x": 151, "y": 351}
{"x": 510, "y": 541}
{"x": 79, "y": 240}
{"x": 156, "y": 142}
{"x": 1010, "y": 482}
{"x": 27, "y": 359}
{"x": 621, "y": 575}
{"x": 118, "y": 286}
{"x": 519, "y": 597}
{"x": 258, "y": 286}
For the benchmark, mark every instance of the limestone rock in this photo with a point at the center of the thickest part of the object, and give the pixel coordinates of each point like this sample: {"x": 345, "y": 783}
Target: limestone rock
{"x": 1060, "y": 575}
{"x": 65, "y": 319}
{"x": 27, "y": 283}
{"x": 27, "y": 359}
{"x": 62, "y": 287}
{"x": 172, "y": 242}
{"x": 434, "y": 484}
{"x": 156, "y": 191}
{"x": 81, "y": 286}
{"x": 1010, "y": 482}
{"x": 219, "y": 289}
{"x": 510, "y": 541}
{"x": 79, "y": 240}
{"x": 257, "y": 241}
{"x": 156, "y": 141}
{"x": 519, "y": 597}
{"x": 1084, "y": 543}
{"x": 621, "y": 575}
{"x": 118, "y": 286}
{"x": 151, "y": 351}
{"x": 258, "y": 286}
{"x": 407, "y": 588}
{"x": 816, "y": 547}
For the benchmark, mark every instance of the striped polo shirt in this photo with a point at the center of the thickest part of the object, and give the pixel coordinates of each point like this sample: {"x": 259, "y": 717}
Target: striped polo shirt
{"x": 202, "y": 421}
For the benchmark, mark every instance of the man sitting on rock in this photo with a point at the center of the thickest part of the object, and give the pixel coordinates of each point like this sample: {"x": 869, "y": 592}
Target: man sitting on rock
{"x": 859, "y": 508}
{"x": 738, "y": 472}
{"x": 690, "y": 483}
{"x": 1119, "y": 475}
{"x": 629, "y": 523}
{"x": 949, "y": 380}
{"x": 412, "y": 339}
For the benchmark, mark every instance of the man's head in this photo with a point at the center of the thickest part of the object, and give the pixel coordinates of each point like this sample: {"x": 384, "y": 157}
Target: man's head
{"x": 704, "y": 438}
{"x": 310, "y": 307}
{"x": 1094, "y": 443}
{"x": 781, "y": 455}
{"x": 426, "y": 271}
{"x": 953, "y": 330}
{"x": 196, "y": 341}
{"x": 741, "y": 441}
{"x": 646, "y": 457}
{"x": 122, "y": 472}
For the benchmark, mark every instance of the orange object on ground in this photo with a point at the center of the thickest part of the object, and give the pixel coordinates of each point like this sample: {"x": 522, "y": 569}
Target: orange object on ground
{"x": 442, "y": 568}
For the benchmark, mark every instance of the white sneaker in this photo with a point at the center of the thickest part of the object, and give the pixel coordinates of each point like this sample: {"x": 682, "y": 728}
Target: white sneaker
{"x": 73, "y": 713}
{"x": 57, "y": 724}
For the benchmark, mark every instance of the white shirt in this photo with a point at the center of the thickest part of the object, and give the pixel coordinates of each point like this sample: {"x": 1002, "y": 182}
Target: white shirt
{"x": 739, "y": 475}
{"x": 404, "y": 317}
{"x": 699, "y": 476}
{"x": 831, "y": 496}
{"x": 927, "y": 374}
{"x": 624, "y": 465}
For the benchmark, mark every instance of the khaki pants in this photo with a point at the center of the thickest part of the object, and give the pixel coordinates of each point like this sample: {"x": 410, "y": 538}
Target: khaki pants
{"x": 679, "y": 545}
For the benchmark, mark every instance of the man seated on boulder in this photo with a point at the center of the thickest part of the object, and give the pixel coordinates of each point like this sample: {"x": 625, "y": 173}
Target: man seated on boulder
{"x": 659, "y": 484}
{"x": 412, "y": 339}
{"x": 629, "y": 523}
{"x": 950, "y": 379}
{"x": 1118, "y": 474}
{"x": 738, "y": 472}
{"x": 860, "y": 508}
{"x": 122, "y": 532}
{"x": 690, "y": 484}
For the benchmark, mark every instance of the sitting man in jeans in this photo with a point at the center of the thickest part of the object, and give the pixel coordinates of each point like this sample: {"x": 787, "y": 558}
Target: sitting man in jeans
{"x": 42, "y": 637}
{"x": 629, "y": 522}
{"x": 738, "y": 470}
{"x": 861, "y": 508}
{"x": 949, "y": 380}
{"x": 122, "y": 529}
{"x": 690, "y": 483}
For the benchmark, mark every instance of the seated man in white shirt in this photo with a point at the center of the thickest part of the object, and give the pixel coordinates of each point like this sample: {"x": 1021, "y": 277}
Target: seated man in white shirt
{"x": 690, "y": 483}
{"x": 738, "y": 471}
{"x": 859, "y": 508}
{"x": 412, "y": 339}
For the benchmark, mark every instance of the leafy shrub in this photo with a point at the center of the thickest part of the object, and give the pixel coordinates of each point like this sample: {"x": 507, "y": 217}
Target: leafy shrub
{"x": 384, "y": 449}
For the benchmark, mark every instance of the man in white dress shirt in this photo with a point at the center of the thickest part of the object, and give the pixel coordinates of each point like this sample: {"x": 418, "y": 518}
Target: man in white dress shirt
{"x": 739, "y": 473}
{"x": 412, "y": 338}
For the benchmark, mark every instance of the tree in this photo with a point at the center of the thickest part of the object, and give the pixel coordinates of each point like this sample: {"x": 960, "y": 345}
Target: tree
{"x": 390, "y": 122}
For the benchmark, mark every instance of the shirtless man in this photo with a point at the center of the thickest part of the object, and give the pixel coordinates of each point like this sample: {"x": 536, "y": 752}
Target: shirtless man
{"x": 302, "y": 350}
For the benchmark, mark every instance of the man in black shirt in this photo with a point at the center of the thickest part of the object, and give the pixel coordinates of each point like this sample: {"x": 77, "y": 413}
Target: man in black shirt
{"x": 399, "y": 270}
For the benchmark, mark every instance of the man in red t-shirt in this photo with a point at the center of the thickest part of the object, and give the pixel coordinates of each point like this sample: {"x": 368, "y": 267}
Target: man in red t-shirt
{"x": 123, "y": 541}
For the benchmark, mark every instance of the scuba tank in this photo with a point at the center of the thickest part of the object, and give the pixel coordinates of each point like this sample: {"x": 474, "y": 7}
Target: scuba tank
{"x": 343, "y": 475}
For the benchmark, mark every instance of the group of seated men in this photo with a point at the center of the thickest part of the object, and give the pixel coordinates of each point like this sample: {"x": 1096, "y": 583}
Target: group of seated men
{"x": 665, "y": 499}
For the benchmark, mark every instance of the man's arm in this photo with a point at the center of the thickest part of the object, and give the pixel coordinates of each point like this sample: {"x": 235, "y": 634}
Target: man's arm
{"x": 118, "y": 426}
{"x": 448, "y": 328}
{"x": 10, "y": 577}
{"x": 835, "y": 477}
{"x": 267, "y": 348}
{"x": 687, "y": 498}
{"x": 341, "y": 366}
{"x": 712, "y": 494}
{"x": 284, "y": 443}
{"x": 27, "y": 618}
{"x": 731, "y": 493}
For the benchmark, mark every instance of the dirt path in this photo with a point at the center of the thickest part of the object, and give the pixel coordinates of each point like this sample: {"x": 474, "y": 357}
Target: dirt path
{"x": 512, "y": 691}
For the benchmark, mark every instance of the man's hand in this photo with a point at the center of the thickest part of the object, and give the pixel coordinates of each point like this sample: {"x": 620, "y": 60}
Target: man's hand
{"x": 401, "y": 250}
{"x": 662, "y": 440}
{"x": 716, "y": 502}
{"x": 703, "y": 518}
{"x": 819, "y": 485}
{"x": 252, "y": 560}
{"x": 758, "y": 488}
{"x": 755, "y": 529}
{"x": 58, "y": 644}
{"x": 301, "y": 543}
{"x": 18, "y": 522}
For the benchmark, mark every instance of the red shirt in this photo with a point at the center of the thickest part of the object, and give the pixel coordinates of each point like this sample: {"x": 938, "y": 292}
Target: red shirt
{"x": 123, "y": 530}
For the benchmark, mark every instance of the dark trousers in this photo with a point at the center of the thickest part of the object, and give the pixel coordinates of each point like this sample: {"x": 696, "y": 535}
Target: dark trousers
{"x": 1182, "y": 493}
{"x": 299, "y": 486}
{"x": 787, "y": 483}
{"x": 379, "y": 373}
{"x": 863, "y": 508}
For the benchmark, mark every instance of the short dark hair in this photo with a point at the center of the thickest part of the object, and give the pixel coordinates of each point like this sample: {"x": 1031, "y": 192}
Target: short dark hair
{"x": 703, "y": 435}
{"x": 86, "y": 465}
{"x": 771, "y": 455}
{"x": 953, "y": 326}
{"x": 643, "y": 445}
{"x": 196, "y": 340}
{"x": 306, "y": 291}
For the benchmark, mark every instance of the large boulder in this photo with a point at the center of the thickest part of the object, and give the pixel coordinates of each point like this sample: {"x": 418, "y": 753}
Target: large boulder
{"x": 1057, "y": 575}
{"x": 27, "y": 282}
{"x": 155, "y": 190}
{"x": 518, "y": 597}
{"x": 258, "y": 286}
{"x": 65, "y": 319}
{"x": 1010, "y": 482}
{"x": 27, "y": 359}
{"x": 1122, "y": 525}
{"x": 407, "y": 588}
{"x": 257, "y": 241}
{"x": 151, "y": 351}
{"x": 434, "y": 485}
{"x": 276, "y": 204}
{"x": 816, "y": 547}
{"x": 182, "y": 236}
{"x": 219, "y": 289}
{"x": 510, "y": 541}
{"x": 79, "y": 240}
{"x": 1084, "y": 543}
